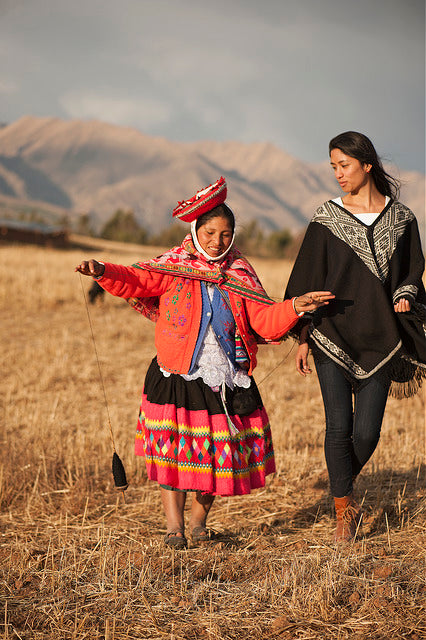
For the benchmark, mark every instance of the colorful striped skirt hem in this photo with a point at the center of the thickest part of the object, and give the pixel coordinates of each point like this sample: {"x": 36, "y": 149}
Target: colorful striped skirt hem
{"x": 183, "y": 433}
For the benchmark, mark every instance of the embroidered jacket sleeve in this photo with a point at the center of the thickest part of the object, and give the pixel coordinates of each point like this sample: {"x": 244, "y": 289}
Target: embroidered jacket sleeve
{"x": 271, "y": 321}
{"x": 129, "y": 282}
{"x": 407, "y": 266}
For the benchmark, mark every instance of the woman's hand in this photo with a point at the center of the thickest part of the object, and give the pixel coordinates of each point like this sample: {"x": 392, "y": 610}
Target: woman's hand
{"x": 402, "y": 306}
{"x": 312, "y": 300}
{"x": 90, "y": 268}
{"x": 302, "y": 365}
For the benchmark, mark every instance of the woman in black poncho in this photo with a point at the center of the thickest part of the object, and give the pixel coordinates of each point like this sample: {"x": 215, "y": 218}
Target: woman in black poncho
{"x": 370, "y": 341}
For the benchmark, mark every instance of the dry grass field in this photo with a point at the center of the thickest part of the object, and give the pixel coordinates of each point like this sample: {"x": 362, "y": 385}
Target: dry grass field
{"x": 78, "y": 561}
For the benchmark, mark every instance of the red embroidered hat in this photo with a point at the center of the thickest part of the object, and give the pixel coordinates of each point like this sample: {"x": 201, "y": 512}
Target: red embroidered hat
{"x": 203, "y": 201}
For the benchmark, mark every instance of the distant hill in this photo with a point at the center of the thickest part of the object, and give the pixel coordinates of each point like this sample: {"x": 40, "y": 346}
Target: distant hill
{"x": 93, "y": 167}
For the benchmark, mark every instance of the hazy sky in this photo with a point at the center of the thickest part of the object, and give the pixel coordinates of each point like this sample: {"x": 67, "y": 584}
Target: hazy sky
{"x": 290, "y": 72}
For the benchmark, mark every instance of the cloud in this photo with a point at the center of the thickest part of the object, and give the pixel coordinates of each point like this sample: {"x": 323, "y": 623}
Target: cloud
{"x": 293, "y": 73}
{"x": 126, "y": 111}
{"x": 8, "y": 87}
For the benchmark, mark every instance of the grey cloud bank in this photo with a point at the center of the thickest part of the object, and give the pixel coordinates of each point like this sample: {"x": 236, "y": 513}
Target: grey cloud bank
{"x": 276, "y": 71}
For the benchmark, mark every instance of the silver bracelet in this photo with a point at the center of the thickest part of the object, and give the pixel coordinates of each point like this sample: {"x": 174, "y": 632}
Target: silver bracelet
{"x": 294, "y": 307}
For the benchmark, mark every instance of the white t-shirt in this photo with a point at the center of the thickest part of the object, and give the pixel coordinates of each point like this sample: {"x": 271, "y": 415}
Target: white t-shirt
{"x": 366, "y": 218}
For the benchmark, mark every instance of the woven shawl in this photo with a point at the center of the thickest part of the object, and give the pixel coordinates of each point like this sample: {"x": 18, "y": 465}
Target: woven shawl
{"x": 234, "y": 274}
{"x": 368, "y": 268}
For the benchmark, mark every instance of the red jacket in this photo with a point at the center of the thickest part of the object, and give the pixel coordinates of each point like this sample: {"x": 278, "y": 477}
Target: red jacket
{"x": 178, "y": 325}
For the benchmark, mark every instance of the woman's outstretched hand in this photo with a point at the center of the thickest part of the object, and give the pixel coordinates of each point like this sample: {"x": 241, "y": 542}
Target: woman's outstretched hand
{"x": 312, "y": 300}
{"x": 90, "y": 268}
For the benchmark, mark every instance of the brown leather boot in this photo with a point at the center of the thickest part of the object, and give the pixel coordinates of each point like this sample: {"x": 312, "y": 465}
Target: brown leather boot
{"x": 348, "y": 516}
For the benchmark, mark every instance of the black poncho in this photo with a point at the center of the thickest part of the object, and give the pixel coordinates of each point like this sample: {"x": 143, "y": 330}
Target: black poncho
{"x": 368, "y": 268}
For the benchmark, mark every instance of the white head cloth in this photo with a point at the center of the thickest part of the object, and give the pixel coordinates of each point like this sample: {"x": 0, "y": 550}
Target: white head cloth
{"x": 201, "y": 250}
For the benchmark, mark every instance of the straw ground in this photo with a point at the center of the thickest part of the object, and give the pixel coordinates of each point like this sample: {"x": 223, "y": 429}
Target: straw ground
{"x": 77, "y": 561}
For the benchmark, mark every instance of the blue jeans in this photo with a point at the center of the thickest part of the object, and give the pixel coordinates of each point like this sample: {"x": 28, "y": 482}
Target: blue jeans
{"x": 352, "y": 428}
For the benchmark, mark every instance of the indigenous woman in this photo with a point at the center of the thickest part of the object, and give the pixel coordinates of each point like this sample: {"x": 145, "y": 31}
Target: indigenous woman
{"x": 370, "y": 341}
{"x": 202, "y": 426}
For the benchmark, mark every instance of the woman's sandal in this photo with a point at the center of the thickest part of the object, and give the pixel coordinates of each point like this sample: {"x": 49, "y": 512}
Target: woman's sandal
{"x": 202, "y": 534}
{"x": 175, "y": 540}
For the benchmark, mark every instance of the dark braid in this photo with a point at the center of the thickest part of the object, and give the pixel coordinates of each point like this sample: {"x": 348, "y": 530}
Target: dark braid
{"x": 222, "y": 211}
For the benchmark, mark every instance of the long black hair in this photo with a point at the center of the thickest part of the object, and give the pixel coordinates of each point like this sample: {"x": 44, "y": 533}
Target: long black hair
{"x": 221, "y": 211}
{"x": 357, "y": 145}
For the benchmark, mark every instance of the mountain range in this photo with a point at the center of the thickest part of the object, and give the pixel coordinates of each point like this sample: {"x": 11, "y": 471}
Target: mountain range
{"x": 92, "y": 167}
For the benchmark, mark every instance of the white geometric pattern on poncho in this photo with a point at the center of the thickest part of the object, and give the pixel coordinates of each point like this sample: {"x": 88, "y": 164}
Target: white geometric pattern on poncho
{"x": 341, "y": 357}
{"x": 386, "y": 233}
{"x": 405, "y": 290}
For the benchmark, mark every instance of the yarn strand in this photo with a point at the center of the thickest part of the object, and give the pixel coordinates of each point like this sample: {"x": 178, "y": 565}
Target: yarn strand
{"x": 99, "y": 365}
{"x": 118, "y": 471}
